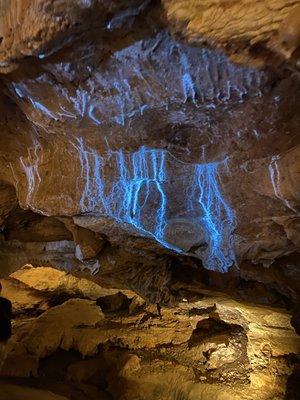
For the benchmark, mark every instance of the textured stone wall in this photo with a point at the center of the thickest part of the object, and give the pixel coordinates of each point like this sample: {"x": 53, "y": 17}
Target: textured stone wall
{"x": 124, "y": 145}
{"x": 112, "y": 345}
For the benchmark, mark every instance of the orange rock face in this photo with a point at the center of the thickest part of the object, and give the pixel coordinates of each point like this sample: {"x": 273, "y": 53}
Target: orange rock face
{"x": 127, "y": 151}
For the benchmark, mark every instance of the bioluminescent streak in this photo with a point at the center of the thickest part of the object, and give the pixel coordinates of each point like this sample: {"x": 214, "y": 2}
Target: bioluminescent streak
{"x": 148, "y": 189}
{"x": 275, "y": 177}
{"x": 30, "y": 165}
{"x": 148, "y": 74}
{"x": 218, "y": 217}
{"x": 140, "y": 189}
{"x": 187, "y": 80}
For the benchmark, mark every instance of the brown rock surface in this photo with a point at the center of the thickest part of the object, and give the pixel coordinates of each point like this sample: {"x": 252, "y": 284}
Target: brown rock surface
{"x": 225, "y": 136}
{"x": 137, "y": 153}
{"x": 255, "y": 32}
{"x": 221, "y": 349}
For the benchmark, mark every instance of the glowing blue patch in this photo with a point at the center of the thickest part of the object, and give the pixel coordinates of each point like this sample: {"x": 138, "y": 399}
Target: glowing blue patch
{"x": 218, "y": 218}
{"x": 43, "y": 109}
{"x": 188, "y": 87}
{"x": 149, "y": 189}
{"x": 187, "y": 81}
{"x": 139, "y": 189}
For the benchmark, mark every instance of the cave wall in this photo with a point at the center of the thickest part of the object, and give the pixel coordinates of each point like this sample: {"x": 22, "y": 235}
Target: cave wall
{"x": 73, "y": 339}
{"x": 130, "y": 143}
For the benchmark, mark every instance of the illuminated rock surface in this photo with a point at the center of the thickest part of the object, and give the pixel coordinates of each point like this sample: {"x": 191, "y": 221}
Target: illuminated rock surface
{"x": 255, "y": 31}
{"x": 150, "y": 146}
{"x": 222, "y": 349}
{"x": 137, "y": 136}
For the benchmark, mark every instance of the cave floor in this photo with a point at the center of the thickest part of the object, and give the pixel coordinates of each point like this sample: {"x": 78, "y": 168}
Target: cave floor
{"x": 73, "y": 339}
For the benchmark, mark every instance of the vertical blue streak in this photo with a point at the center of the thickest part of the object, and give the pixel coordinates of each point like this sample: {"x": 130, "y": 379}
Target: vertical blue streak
{"x": 137, "y": 193}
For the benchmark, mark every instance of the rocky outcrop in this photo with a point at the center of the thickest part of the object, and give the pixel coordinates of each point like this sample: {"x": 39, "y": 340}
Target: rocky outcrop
{"x": 152, "y": 162}
{"x": 255, "y": 32}
{"x": 250, "y": 31}
{"x": 41, "y": 27}
{"x": 201, "y": 348}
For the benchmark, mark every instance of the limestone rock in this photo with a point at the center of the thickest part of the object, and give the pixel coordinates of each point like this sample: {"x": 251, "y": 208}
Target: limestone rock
{"x": 248, "y": 31}
{"x": 9, "y": 392}
{"x": 134, "y": 145}
{"x": 149, "y": 183}
{"x": 211, "y": 348}
{"x": 24, "y": 300}
{"x": 40, "y": 27}
{"x": 47, "y": 279}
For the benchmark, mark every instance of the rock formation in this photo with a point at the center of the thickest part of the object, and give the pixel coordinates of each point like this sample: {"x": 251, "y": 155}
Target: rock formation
{"x": 153, "y": 146}
{"x": 213, "y": 348}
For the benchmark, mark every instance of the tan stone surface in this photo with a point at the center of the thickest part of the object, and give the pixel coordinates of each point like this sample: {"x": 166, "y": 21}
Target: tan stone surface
{"x": 48, "y": 280}
{"x": 213, "y": 348}
{"x": 117, "y": 120}
{"x": 24, "y": 300}
{"x": 239, "y": 25}
{"x": 14, "y": 392}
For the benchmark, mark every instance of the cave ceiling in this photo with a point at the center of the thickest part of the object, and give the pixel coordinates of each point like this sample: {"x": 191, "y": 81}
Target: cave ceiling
{"x": 150, "y": 130}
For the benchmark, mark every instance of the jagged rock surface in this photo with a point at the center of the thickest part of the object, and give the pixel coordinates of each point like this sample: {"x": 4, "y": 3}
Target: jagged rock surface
{"x": 222, "y": 349}
{"x": 255, "y": 32}
{"x": 150, "y": 162}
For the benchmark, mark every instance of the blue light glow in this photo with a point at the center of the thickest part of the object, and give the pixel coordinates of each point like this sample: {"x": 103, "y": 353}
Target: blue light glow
{"x": 148, "y": 74}
{"x": 187, "y": 80}
{"x": 150, "y": 190}
{"x": 140, "y": 188}
{"x": 217, "y": 215}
